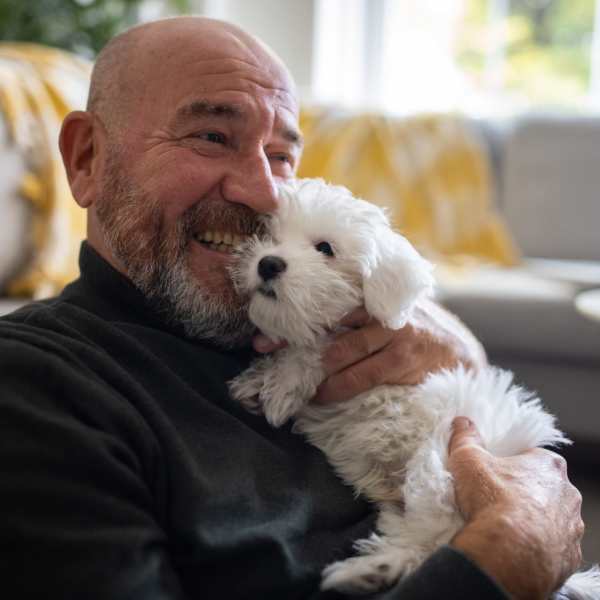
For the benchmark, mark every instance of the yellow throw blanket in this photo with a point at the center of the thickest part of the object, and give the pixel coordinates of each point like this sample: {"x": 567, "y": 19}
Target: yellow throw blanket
{"x": 38, "y": 87}
{"x": 431, "y": 172}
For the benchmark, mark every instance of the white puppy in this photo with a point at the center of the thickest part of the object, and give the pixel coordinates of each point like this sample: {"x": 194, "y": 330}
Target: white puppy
{"x": 329, "y": 253}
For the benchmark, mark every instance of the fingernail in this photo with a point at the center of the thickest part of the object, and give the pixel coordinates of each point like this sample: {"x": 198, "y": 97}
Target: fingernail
{"x": 461, "y": 424}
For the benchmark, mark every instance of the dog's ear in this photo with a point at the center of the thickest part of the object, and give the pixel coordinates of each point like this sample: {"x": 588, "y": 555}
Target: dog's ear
{"x": 394, "y": 279}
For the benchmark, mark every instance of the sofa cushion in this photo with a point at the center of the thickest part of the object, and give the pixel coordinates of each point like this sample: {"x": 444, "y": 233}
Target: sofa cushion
{"x": 524, "y": 313}
{"x": 551, "y": 185}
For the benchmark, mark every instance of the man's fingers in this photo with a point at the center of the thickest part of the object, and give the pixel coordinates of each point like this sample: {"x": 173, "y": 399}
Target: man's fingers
{"x": 464, "y": 435}
{"x": 359, "y": 378}
{"x": 352, "y": 346}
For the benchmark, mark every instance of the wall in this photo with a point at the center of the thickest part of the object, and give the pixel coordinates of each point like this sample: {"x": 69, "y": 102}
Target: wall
{"x": 285, "y": 25}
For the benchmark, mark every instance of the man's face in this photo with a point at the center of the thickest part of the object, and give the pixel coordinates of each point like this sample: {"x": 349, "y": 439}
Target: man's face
{"x": 211, "y": 133}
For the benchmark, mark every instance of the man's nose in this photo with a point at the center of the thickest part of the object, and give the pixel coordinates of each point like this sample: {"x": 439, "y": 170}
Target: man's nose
{"x": 251, "y": 182}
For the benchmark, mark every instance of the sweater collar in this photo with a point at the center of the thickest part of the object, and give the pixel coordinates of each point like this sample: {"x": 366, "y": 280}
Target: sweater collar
{"x": 108, "y": 284}
{"x": 118, "y": 295}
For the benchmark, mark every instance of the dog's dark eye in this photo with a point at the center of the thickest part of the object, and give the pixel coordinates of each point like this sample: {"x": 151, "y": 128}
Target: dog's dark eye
{"x": 325, "y": 248}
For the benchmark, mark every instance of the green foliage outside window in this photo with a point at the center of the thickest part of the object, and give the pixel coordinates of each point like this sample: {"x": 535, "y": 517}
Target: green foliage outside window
{"x": 81, "y": 26}
{"x": 546, "y": 48}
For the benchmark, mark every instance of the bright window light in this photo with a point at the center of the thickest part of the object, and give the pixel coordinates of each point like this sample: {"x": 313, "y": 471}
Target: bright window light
{"x": 483, "y": 57}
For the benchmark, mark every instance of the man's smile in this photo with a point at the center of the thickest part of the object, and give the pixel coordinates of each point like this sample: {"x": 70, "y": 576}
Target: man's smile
{"x": 220, "y": 241}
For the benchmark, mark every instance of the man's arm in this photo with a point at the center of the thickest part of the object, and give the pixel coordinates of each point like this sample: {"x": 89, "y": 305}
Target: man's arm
{"x": 76, "y": 514}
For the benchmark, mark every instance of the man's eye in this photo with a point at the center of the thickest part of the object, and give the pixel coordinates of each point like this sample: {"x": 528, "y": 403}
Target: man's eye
{"x": 281, "y": 158}
{"x": 213, "y": 137}
{"x": 325, "y": 248}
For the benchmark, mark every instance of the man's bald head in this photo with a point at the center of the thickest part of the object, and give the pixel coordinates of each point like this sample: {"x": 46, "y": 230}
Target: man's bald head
{"x": 124, "y": 68}
{"x": 109, "y": 80}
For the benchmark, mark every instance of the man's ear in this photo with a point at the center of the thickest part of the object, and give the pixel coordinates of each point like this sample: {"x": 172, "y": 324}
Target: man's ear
{"x": 80, "y": 143}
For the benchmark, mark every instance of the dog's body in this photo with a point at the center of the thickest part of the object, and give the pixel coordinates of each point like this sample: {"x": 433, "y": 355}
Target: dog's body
{"x": 329, "y": 254}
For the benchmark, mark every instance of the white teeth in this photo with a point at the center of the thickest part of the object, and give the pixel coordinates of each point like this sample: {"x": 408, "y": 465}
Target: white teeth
{"x": 220, "y": 240}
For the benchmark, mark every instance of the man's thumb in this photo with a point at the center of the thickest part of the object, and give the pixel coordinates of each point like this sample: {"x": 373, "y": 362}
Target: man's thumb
{"x": 464, "y": 434}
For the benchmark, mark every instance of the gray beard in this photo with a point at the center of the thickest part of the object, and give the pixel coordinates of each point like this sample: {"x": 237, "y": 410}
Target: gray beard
{"x": 155, "y": 260}
{"x": 202, "y": 316}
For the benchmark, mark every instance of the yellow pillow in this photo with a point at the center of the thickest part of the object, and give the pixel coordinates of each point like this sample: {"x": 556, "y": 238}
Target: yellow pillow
{"x": 38, "y": 87}
{"x": 431, "y": 172}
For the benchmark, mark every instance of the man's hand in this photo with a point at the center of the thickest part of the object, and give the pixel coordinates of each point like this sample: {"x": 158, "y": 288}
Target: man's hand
{"x": 523, "y": 516}
{"x": 369, "y": 355}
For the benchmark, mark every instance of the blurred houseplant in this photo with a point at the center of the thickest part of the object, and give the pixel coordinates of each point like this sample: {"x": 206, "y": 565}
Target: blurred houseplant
{"x": 80, "y": 26}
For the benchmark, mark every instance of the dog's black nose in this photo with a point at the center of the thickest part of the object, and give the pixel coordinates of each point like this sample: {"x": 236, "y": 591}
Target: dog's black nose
{"x": 269, "y": 267}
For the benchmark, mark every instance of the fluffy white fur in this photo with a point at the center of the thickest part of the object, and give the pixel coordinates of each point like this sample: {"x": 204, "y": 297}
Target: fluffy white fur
{"x": 391, "y": 443}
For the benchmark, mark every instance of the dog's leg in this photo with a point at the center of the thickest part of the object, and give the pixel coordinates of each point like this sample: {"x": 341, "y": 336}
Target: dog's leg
{"x": 382, "y": 562}
{"x": 410, "y": 530}
{"x": 278, "y": 386}
{"x": 385, "y": 559}
{"x": 246, "y": 388}
{"x": 289, "y": 385}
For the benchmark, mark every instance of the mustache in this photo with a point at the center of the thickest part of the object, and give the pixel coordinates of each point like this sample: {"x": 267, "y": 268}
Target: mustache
{"x": 221, "y": 215}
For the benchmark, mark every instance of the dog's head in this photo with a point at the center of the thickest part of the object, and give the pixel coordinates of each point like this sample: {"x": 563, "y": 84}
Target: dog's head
{"x": 327, "y": 254}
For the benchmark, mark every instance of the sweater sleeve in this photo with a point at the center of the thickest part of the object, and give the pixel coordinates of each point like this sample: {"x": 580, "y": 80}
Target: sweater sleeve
{"x": 450, "y": 575}
{"x": 447, "y": 574}
{"x": 77, "y": 517}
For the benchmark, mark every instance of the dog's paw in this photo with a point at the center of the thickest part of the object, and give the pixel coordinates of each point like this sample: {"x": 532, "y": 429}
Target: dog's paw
{"x": 246, "y": 388}
{"x": 361, "y": 575}
{"x": 253, "y": 405}
{"x": 281, "y": 406}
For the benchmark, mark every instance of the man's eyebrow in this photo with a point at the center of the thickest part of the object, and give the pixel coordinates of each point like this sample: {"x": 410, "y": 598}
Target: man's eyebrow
{"x": 293, "y": 136}
{"x": 203, "y": 108}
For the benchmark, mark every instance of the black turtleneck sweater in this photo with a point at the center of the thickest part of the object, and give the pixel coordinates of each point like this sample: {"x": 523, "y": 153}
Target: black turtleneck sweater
{"x": 126, "y": 471}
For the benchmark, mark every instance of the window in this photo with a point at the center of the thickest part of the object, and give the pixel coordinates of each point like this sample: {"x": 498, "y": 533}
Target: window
{"x": 477, "y": 56}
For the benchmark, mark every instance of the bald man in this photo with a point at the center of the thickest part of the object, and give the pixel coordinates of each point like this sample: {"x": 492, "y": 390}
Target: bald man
{"x": 127, "y": 471}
